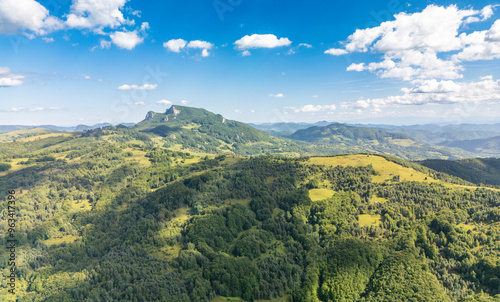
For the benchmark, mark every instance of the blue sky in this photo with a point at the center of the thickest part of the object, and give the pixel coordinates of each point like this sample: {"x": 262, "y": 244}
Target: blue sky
{"x": 69, "y": 62}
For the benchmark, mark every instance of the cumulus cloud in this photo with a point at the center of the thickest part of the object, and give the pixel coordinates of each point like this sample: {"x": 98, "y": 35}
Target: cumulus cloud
{"x": 26, "y": 16}
{"x": 437, "y": 92}
{"x": 9, "y": 79}
{"x": 261, "y": 41}
{"x": 126, "y": 39}
{"x": 427, "y": 49}
{"x": 31, "y": 18}
{"x": 176, "y": 45}
{"x": 313, "y": 108}
{"x": 305, "y": 45}
{"x": 336, "y": 51}
{"x": 412, "y": 44}
{"x": 246, "y": 53}
{"x": 480, "y": 45}
{"x": 278, "y": 95}
{"x": 97, "y": 13}
{"x": 163, "y": 102}
{"x": 184, "y": 102}
{"x": 203, "y": 45}
{"x": 200, "y": 44}
{"x": 136, "y": 87}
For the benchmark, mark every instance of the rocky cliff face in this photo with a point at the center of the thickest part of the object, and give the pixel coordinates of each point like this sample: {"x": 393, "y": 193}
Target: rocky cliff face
{"x": 150, "y": 115}
{"x": 172, "y": 110}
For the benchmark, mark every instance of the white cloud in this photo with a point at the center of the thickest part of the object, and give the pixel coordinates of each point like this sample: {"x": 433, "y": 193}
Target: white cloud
{"x": 261, "y": 41}
{"x": 86, "y": 77}
{"x": 480, "y": 45}
{"x": 487, "y": 12}
{"x": 336, "y": 51}
{"x": 140, "y": 103}
{"x": 175, "y": 45}
{"x": 237, "y": 111}
{"x": 48, "y": 40}
{"x": 26, "y": 16}
{"x": 144, "y": 26}
{"x": 438, "y": 92}
{"x": 278, "y": 95}
{"x": 313, "y": 108}
{"x": 9, "y": 79}
{"x": 246, "y": 53}
{"x": 136, "y": 87}
{"x": 105, "y": 44}
{"x": 356, "y": 67}
{"x": 205, "y": 53}
{"x": 315, "y": 96}
{"x": 200, "y": 44}
{"x": 184, "y": 102}
{"x": 412, "y": 45}
{"x": 97, "y": 13}
{"x": 126, "y": 39}
{"x": 163, "y": 102}
{"x": 305, "y": 45}
{"x": 203, "y": 45}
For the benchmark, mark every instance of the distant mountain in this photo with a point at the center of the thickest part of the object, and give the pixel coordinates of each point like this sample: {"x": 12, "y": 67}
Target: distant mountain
{"x": 366, "y": 139}
{"x": 204, "y": 131}
{"x": 285, "y": 129}
{"x": 481, "y": 170}
{"x": 486, "y": 147}
{"x": 439, "y": 134}
{"x": 9, "y": 128}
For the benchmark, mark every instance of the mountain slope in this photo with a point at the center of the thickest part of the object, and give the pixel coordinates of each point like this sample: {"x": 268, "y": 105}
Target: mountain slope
{"x": 480, "y": 170}
{"x": 365, "y": 139}
{"x": 203, "y": 131}
{"x": 485, "y": 147}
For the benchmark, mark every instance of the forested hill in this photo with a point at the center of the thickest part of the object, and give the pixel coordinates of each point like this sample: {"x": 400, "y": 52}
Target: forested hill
{"x": 203, "y": 131}
{"x": 485, "y": 146}
{"x": 113, "y": 215}
{"x": 366, "y": 139}
{"x": 478, "y": 171}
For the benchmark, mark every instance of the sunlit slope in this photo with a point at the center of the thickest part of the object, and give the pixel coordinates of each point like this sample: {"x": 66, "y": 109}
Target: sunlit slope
{"x": 25, "y": 134}
{"x": 385, "y": 169}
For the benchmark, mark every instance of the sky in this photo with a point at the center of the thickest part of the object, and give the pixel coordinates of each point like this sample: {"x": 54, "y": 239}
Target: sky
{"x": 70, "y": 62}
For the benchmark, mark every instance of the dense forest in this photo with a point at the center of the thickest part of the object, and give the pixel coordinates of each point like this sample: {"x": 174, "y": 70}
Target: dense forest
{"x": 113, "y": 215}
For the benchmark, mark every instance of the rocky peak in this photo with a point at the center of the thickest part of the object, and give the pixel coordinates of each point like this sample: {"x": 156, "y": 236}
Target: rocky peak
{"x": 172, "y": 110}
{"x": 150, "y": 115}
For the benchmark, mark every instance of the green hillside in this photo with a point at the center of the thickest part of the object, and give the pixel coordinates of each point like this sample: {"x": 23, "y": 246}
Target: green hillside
{"x": 113, "y": 215}
{"x": 199, "y": 130}
{"x": 480, "y": 170}
{"x": 366, "y": 139}
{"x": 484, "y": 147}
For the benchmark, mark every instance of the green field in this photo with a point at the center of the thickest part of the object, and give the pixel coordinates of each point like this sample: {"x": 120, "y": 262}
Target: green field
{"x": 369, "y": 220}
{"x": 320, "y": 194}
{"x": 385, "y": 169}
